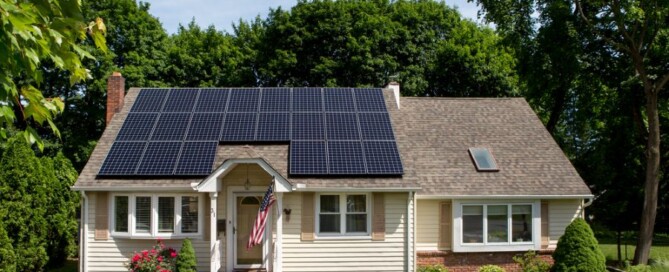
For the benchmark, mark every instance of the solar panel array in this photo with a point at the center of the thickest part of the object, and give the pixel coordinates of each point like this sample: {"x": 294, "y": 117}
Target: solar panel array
{"x": 331, "y": 131}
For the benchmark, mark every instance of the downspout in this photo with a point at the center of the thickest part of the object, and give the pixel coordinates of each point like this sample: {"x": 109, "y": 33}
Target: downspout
{"x": 585, "y": 204}
{"x": 415, "y": 219}
{"x": 407, "y": 232}
{"x": 83, "y": 261}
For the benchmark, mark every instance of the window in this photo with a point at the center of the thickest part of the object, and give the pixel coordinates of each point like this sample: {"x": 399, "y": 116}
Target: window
{"x": 496, "y": 226}
{"x": 483, "y": 159}
{"x": 343, "y": 214}
{"x": 155, "y": 215}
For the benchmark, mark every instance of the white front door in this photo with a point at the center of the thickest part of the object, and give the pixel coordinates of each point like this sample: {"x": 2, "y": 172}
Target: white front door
{"x": 246, "y": 207}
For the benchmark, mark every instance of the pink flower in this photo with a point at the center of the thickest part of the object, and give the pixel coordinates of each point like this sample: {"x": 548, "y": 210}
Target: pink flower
{"x": 160, "y": 258}
{"x": 145, "y": 253}
{"x": 136, "y": 258}
{"x": 173, "y": 254}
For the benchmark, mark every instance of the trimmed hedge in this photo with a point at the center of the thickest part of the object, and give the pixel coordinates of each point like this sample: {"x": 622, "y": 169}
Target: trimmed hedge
{"x": 578, "y": 251}
{"x": 186, "y": 259}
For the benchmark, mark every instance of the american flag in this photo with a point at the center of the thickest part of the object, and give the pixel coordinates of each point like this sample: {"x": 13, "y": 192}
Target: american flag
{"x": 259, "y": 226}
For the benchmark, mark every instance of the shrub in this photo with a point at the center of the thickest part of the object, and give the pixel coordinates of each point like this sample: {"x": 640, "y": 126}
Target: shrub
{"x": 432, "y": 268}
{"x": 186, "y": 259}
{"x": 639, "y": 268}
{"x": 530, "y": 262}
{"x": 491, "y": 268}
{"x": 578, "y": 251}
{"x": 157, "y": 259}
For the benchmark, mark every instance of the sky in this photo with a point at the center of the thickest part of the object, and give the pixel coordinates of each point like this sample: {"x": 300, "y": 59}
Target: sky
{"x": 223, "y": 13}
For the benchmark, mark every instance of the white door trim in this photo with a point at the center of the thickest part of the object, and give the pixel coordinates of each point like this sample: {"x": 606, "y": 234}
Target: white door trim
{"x": 231, "y": 203}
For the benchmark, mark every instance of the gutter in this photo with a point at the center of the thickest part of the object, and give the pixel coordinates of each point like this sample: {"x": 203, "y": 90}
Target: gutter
{"x": 132, "y": 188}
{"x": 504, "y": 196}
{"x": 299, "y": 188}
{"x": 83, "y": 260}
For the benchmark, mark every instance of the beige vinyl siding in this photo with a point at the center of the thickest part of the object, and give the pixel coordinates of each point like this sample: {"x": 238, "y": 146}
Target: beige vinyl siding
{"x": 561, "y": 213}
{"x": 427, "y": 226}
{"x": 346, "y": 254}
{"x": 115, "y": 253}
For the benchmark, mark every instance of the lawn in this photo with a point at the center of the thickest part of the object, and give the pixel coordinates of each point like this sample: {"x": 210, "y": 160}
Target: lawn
{"x": 660, "y": 254}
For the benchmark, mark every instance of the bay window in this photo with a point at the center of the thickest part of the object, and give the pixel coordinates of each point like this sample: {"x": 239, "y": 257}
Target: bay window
{"x": 343, "y": 214}
{"x": 140, "y": 215}
{"x": 496, "y": 226}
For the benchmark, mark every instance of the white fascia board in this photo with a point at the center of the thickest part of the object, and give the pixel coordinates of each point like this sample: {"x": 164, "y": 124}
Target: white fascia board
{"x": 211, "y": 183}
{"x": 504, "y": 196}
{"x": 348, "y": 189}
{"x": 131, "y": 189}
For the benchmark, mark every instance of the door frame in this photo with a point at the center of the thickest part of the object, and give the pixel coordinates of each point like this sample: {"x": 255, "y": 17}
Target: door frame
{"x": 231, "y": 207}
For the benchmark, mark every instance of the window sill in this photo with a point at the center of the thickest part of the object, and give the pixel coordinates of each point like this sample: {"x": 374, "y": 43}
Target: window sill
{"x": 152, "y": 237}
{"x": 495, "y": 247}
{"x": 343, "y": 237}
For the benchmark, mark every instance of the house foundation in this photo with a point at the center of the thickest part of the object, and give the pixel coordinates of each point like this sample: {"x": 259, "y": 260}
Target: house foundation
{"x": 471, "y": 262}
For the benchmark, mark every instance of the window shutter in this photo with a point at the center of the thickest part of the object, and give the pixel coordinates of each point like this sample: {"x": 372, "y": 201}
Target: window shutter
{"x": 378, "y": 217}
{"x": 308, "y": 217}
{"x": 207, "y": 217}
{"x": 445, "y": 219}
{"x": 102, "y": 216}
{"x": 545, "y": 231}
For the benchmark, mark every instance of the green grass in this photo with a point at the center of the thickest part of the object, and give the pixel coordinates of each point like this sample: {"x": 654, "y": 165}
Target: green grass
{"x": 660, "y": 254}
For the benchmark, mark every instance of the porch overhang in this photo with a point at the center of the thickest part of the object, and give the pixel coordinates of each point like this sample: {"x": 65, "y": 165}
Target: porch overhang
{"x": 212, "y": 184}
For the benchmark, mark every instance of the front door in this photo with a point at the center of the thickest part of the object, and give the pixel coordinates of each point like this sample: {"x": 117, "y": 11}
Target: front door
{"x": 246, "y": 210}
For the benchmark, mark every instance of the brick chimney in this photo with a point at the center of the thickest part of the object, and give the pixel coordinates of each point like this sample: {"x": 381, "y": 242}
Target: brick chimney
{"x": 115, "y": 95}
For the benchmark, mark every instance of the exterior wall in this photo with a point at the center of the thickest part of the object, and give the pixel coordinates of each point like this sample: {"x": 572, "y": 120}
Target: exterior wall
{"x": 471, "y": 262}
{"x": 427, "y": 226}
{"x": 560, "y": 214}
{"x": 346, "y": 254}
{"x": 114, "y": 254}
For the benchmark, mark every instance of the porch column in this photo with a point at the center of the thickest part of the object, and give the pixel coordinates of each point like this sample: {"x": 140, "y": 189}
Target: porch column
{"x": 213, "y": 246}
{"x": 278, "y": 260}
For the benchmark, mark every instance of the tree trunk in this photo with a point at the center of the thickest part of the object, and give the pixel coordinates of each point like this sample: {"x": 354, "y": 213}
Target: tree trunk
{"x": 645, "y": 240}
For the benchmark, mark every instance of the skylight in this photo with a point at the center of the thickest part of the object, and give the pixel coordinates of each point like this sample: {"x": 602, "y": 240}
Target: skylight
{"x": 483, "y": 159}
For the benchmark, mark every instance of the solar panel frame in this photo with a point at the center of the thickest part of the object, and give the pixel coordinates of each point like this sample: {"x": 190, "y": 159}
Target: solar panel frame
{"x": 275, "y": 100}
{"x": 150, "y": 100}
{"x": 159, "y": 158}
{"x": 244, "y": 100}
{"x": 273, "y": 127}
{"x": 205, "y": 126}
{"x": 375, "y": 126}
{"x": 382, "y": 158}
{"x": 308, "y": 126}
{"x": 345, "y": 158}
{"x": 123, "y": 158}
{"x": 308, "y": 158}
{"x": 239, "y": 127}
{"x": 181, "y": 100}
{"x": 171, "y": 127}
{"x": 137, "y": 126}
{"x": 307, "y": 100}
{"x": 342, "y": 126}
{"x": 196, "y": 158}
{"x": 338, "y": 100}
{"x": 370, "y": 100}
{"x": 212, "y": 100}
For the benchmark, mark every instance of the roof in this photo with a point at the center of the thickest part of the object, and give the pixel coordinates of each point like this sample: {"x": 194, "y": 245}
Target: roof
{"x": 433, "y": 136}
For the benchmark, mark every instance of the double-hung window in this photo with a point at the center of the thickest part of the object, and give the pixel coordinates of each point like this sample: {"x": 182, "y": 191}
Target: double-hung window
{"x": 343, "y": 214}
{"x": 149, "y": 215}
{"x": 497, "y": 226}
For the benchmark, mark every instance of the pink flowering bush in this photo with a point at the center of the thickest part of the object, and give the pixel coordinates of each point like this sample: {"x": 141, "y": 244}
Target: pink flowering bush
{"x": 157, "y": 259}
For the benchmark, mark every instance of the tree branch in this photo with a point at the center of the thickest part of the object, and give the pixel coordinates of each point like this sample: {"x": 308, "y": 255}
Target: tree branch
{"x": 662, "y": 82}
{"x": 618, "y": 45}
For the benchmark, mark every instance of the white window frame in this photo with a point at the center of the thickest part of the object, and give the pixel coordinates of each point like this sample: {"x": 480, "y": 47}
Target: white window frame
{"x": 153, "y": 233}
{"x": 342, "y": 217}
{"x": 460, "y": 246}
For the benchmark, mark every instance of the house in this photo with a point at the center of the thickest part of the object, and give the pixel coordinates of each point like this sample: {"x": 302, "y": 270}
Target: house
{"x": 419, "y": 180}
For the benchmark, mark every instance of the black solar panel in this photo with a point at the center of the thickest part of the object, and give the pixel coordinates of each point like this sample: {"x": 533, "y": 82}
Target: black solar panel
{"x": 150, "y": 100}
{"x": 338, "y": 99}
{"x": 342, "y": 126}
{"x": 307, "y": 99}
{"x": 159, "y": 158}
{"x": 308, "y": 126}
{"x": 197, "y": 158}
{"x": 205, "y": 127}
{"x": 275, "y": 100}
{"x": 171, "y": 127}
{"x": 122, "y": 158}
{"x": 370, "y": 100}
{"x": 180, "y": 100}
{"x": 345, "y": 157}
{"x": 382, "y": 157}
{"x": 244, "y": 100}
{"x": 273, "y": 127}
{"x": 137, "y": 127}
{"x": 239, "y": 127}
{"x": 212, "y": 100}
{"x": 376, "y": 126}
{"x": 308, "y": 158}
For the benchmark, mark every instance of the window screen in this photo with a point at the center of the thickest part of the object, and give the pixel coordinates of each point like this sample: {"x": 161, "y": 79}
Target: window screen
{"x": 121, "y": 214}
{"x": 189, "y": 214}
{"x": 143, "y": 214}
{"x": 166, "y": 214}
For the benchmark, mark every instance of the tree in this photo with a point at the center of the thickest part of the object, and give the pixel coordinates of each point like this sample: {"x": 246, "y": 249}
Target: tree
{"x": 578, "y": 251}
{"x": 32, "y": 33}
{"x": 186, "y": 261}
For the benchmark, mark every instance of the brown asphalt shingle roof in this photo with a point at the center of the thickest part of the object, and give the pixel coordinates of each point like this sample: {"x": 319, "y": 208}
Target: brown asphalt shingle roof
{"x": 433, "y": 136}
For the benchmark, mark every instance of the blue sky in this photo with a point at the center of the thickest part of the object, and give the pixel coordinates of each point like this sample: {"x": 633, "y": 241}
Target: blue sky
{"x": 223, "y": 13}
